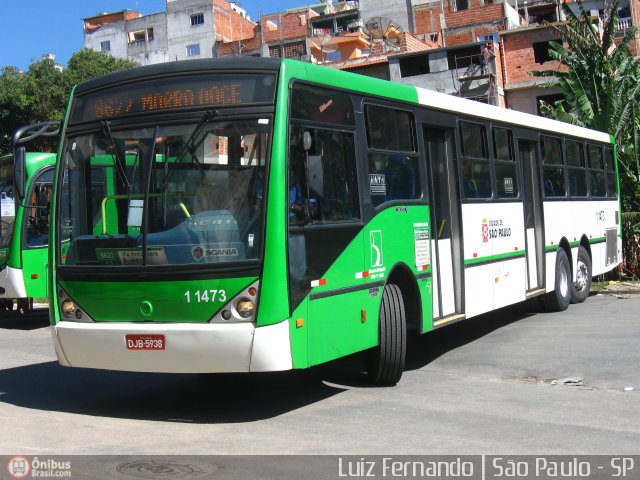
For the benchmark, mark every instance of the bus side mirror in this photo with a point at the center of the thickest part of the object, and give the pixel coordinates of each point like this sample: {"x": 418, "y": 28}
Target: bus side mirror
{"x": 19, "y": 172}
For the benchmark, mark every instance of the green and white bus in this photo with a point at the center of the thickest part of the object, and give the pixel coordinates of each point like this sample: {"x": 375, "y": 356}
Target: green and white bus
{"x": 247, "y": 215}
{"x": 25, "y": 196}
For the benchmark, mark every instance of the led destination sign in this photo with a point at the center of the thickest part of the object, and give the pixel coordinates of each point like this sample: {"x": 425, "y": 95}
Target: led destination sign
{"x": 174, "y": 94}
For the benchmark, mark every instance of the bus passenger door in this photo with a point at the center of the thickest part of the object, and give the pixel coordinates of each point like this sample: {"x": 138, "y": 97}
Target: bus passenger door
{"x": 446, "y": 243}
{"x": 36, "y": 234}
{"x": 534, "y": 232}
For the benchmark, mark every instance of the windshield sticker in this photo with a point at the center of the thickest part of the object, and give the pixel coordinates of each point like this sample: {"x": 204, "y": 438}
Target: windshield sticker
{"x": 377, "y": 184}
{"x": 127, "y": 256}
{"x": 135, "y": 213}
{"x": 421, "y": 241}
{"x": 7, "y": 208}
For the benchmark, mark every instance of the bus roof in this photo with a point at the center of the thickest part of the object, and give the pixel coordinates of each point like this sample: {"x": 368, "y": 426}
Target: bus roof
{"x": 353, "y": 82}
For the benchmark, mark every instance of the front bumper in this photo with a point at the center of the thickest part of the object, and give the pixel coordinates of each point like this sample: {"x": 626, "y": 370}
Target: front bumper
{"x": 189, "y": 348}
{"x": 12, "y": 282}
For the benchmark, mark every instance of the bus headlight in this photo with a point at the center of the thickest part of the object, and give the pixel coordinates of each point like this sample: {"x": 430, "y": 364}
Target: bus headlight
{"x": 70, "y": 310}
{"x": 68, "y": 307}
{"x": 245, "y": 307}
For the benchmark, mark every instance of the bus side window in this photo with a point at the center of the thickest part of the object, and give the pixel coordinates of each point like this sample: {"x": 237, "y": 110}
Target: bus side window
{"x": 392, "y": 156}
{"x": 476, "y": 165}
{"x": 37, "y": 228}
{"x": 322, "y": 181}
{"x": 553, "y": 171}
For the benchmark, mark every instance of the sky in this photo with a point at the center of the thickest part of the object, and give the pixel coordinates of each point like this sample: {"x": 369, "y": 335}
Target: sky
{"x": 31, "y": 28}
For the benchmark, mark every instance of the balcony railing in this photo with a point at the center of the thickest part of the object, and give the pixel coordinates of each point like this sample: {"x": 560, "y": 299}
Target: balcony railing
{"x": 624, "y": 24}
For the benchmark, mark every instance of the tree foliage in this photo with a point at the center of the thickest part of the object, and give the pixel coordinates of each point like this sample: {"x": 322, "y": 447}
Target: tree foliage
{"x": 601, "y": 86}
{"x": 41, "y": 93}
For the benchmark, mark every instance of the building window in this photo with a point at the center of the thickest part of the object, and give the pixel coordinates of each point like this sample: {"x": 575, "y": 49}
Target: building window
{"x": 193, "y": 50}
{"x": 293, "y": 50}
{"x": 462, "y": 5}
{"x": 334, "y": 56}
{"x": 105, "y": 46}
{"x": 413, "y": 66}
{"x": 141, "y": 36}
{"x": 541, "y": 51}
{"x": 274, "y": 52}
{"x": 197, "y": 19}
{"x": 551, "y": 100}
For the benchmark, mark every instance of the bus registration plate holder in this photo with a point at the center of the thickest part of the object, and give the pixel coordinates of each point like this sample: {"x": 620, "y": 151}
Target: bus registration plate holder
{"x": 145, "y": 342}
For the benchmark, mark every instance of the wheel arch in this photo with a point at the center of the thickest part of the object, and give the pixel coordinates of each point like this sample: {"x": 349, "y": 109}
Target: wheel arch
{"x": 566, "y": 246}
{"x": 584, "y": 242}
{"x": 402, "y": 276}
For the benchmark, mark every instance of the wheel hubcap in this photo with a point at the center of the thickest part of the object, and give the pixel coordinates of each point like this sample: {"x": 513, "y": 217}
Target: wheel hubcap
{"x": 581, "y": 276}
{"x": 564, "y": 280}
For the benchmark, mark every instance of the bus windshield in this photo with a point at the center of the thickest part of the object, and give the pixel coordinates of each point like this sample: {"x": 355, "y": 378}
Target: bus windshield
{"x": 7, "y": 204}
{"x": 167, "y": 194}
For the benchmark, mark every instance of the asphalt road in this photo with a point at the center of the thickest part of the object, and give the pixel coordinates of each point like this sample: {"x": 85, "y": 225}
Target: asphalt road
{"x": 484, "y": 386}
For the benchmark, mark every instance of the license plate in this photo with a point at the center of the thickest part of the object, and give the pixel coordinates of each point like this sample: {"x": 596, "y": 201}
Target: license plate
{"x": 145, "y": 342}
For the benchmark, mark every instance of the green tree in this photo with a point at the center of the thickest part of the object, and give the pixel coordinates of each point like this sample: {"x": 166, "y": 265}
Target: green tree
{"x": 86, "y": 64}
{"x": 601, "y": 86}
{"x": 41, "y": 93}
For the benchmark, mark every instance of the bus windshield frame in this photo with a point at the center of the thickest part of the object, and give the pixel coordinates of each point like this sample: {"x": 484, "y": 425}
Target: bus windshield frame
{"x": 166, "y": 193}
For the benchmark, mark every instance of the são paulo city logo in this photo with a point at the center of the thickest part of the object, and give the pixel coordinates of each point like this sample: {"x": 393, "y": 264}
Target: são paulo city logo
{"x": 494, "y": 229}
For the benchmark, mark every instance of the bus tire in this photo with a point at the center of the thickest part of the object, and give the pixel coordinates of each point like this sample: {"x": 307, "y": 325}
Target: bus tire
{"x": 385, "y": 363}
{"x": 6, "y": 305}
{"x": 581, "y": 288}
{"x": 558, "y": 300}
{"x": 24, "y": 306}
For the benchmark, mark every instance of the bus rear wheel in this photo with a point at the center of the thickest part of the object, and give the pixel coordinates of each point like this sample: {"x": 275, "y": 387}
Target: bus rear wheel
{"x": 559, "y": 299}
{"x": 581, "y": 288}
{"x": 385, "y": 363}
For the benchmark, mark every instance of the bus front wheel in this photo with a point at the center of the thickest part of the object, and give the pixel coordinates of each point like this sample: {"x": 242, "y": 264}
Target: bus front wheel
{"x": 582, "y": 286}
{"x": 558, "y": 300}
{"x": 385, "y": 363}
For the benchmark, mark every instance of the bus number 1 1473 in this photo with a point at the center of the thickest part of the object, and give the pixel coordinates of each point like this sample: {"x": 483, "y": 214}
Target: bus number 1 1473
{"x": 206, "y": 296}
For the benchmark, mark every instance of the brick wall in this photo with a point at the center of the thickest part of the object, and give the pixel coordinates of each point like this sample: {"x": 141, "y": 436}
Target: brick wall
{"x": 93, "y": 23}
{"x": 463, "y": 26}
{"x": 229, "y": 49}
{"x": 410, "y": 43}
{"x": 285, "y": 26}
{"x": 230, "y": 25}
{"x": 519, "y": 56}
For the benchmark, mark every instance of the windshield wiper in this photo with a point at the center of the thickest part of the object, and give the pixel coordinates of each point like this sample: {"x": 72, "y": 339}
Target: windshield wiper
{"x": 190, "y": 145}
{"x": 119, "y": 161}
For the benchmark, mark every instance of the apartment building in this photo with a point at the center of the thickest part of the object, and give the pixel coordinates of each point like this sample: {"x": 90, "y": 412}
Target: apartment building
{"x": 435, "y": 44}
{"x": 187, "y": 29}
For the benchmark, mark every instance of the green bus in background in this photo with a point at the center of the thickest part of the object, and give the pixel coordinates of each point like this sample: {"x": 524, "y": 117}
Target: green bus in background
{"x": 25, "y": 196}
{"x": 229, "y": 215}
{"x": 24, "y": 233}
